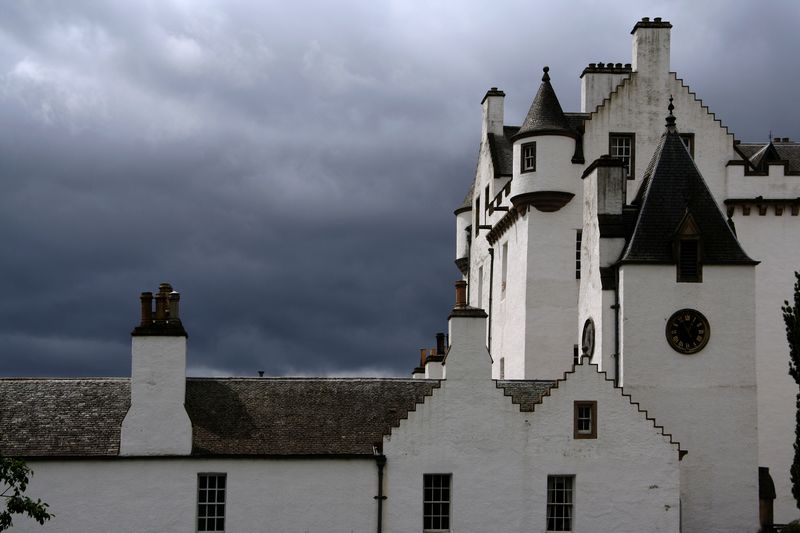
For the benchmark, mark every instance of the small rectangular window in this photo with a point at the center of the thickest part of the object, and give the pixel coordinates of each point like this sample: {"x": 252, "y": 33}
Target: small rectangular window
{"x": 623, "y": 146}
{"x": 477, "y": 215}
{"x": 578, "y": 238}
{"x": 502, "y": 368}
{"x": 528, "y": 157}
{"x": 688, "y": 142}
{"x": 585, "y": 420}
{"x": 503, "y": 270}
{"x": 436, "y": 502}
{"x": 480, "y": 288}
{"x": 560, "y": 503}
{"x": 211, "y": 502}
{"x": 486, "y": 203}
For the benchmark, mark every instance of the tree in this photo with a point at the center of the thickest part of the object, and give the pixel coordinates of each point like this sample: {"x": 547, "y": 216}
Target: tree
{"x": 791, "y": 316}
{"x": 14, "y": 474}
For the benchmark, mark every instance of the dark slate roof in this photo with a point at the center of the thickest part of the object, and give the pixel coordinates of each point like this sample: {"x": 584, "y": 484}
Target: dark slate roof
{"x": 466, "y": 205}
{"x": 78, "y": 417}
{"x": 234, "y": 416}
{"x": 298, "y": 416}
{"x": 525, "y": 393}
{"x": 776, "y": 151}
{"x": 671, "y": 186}
{"x": 502, "y": 151}
{"x": 545, "y": 116}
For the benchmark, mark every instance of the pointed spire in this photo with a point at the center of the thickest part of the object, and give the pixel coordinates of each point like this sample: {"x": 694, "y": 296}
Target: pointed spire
{"x": 545, "y": 116}
{"x": 671, "y": 118}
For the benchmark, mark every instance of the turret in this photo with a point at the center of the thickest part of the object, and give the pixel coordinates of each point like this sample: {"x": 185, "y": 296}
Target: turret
{"x": 544, "y": 147}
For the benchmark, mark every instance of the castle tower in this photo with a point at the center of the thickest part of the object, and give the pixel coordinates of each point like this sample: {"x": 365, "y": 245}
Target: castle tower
{"x": 687, "y": 337}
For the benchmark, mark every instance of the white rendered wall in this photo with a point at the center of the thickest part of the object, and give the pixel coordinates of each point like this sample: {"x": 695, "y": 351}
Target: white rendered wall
{"x": 463, "y": 220}
{"x": 508, "y": 310}
{"x": 499, "y": 457}
{"x": 640, "y": 106}
{"x": 595, "y": 87}
{"x": 158, "y": 495}
{"x": 706, "y": 400}
{"x": 769, "y": 239}
{"x": 157, "y": 423}
{"x": 554, "y": 168}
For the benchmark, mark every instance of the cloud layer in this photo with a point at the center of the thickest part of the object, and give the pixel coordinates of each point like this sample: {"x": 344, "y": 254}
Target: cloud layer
{"x": 292, "y": 168}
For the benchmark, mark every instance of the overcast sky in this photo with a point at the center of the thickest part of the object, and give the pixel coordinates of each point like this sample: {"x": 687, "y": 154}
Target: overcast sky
{"x": 292, "y": 167}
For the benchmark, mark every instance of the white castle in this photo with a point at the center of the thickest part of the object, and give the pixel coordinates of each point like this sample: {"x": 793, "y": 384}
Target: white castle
{"x": 616, "y": 360}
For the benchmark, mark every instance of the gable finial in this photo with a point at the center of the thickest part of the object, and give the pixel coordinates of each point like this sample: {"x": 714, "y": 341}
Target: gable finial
{"x": 670, "y": 118}
{"x": 546, "y": 76}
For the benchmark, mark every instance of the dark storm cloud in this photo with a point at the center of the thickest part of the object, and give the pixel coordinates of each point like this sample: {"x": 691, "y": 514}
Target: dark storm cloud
{"x": 291, "y": 168}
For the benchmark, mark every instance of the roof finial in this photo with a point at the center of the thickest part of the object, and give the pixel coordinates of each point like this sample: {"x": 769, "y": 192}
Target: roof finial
{"x": 670, "y": 118}
{"x": 546, "y": 76}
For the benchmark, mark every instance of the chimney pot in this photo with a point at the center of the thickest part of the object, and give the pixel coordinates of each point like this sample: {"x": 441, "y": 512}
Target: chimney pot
{"x": 657, "y": 19}
{"x": 422, "y": 357}
{"x": 147, "y": 308}
{"x": 461, "y": 293}
{"x": 645, "y": 19}
{"x": 174, "y": 300}
{"x": 161, "y": 306}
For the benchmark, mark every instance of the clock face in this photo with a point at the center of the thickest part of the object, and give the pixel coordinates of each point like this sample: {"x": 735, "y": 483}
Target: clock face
{"x": 688, "y": 331}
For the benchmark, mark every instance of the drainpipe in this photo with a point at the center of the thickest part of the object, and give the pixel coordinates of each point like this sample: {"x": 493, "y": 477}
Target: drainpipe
{"x": 491, "y": 290}
{"x": 380, "y": 461}
{"x": 615, "y": 307}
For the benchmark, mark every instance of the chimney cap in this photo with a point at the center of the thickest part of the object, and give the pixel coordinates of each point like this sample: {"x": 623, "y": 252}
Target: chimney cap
{"x": 657, "y": 22}
{"x": 494, "y": 91}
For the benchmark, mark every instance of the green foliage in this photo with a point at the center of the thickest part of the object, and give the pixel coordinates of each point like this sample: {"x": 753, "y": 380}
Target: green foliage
{"x": 791, "y": 316}
{"x": 14, "y": 475}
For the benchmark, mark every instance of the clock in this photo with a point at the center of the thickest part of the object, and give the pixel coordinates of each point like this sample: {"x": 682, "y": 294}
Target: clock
{"x": 688, "y": 331}
{"x": 587, "y": 339}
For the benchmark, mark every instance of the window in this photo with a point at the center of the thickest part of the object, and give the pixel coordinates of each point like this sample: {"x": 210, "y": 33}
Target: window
{"x": 436, "y": 502}
{"x": 503, "y": 270}
{"x": 559, "y": 502}
{"x": 486, "y": 203}
{"x": 689, "y": 267}
{"x": 477, "y": 215}
{"x": 623, "y": 146}
{"x": 211, "y": 502}
{"x": 578, "y": 238}
{"x": 480, "y": 288}
{"x": 585, "y": 420}
{"x": 502, "y": 368}
{"x": 528, "y": 156}
{"x": 688, "y": 142}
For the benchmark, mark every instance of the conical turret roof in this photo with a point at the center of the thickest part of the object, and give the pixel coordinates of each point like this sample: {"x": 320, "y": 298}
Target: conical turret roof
{"x": 673, "y": 189}
{"x": 545, "y": 116}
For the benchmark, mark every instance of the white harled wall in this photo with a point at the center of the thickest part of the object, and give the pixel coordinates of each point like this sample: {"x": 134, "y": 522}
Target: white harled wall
{"x": 499, "y": 458}
{"x": 765, "y": 238}
{"x": 153, "y": 495}
{"x": 706, "y": 400}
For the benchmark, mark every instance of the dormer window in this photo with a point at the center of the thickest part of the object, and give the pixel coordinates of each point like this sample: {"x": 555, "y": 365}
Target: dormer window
{"x": 528, "y": 157}
{"x": 688, "y": 251}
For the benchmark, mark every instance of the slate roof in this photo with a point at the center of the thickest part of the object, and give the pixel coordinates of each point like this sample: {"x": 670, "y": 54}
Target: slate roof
{"x": 671, "y": 186}
{"x": 545, "y": 116}
{"x": 525, "y": 393}
{"x": 230, "y": 416}
{"x": 66, "y": 417}
{"x": 502, "y": 151}
{"x": 758, "y": 153}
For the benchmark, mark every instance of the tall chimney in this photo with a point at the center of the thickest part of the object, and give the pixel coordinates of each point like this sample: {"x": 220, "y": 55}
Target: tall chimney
{"x": 157, "y": 423}
{"x": 468, "y": 359}
{"x": 492, "y": 105}
{"x": 651, "y": 40}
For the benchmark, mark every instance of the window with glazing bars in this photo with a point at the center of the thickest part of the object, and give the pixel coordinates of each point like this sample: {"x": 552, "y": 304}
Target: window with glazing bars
{"x": 211, "y": 502}
{"x": 578, "y": 238}
{"x": 623, "y": 146}
{"x": 560, "y": 503}
{"x": 528, "y": 155}
{"x": 436, "y": 502}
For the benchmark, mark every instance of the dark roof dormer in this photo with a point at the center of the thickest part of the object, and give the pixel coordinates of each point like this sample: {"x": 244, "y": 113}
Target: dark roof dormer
{"x": 545, "y": 116}
{"x": 674, "y": 201}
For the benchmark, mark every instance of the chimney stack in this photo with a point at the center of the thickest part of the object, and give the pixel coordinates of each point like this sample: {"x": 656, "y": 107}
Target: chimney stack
{"x": 492, "y": 105}
{"x": 157, "y": 423}
{"x": 651, "y": 42}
